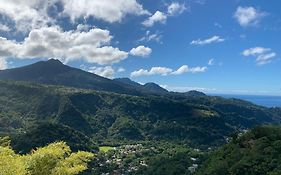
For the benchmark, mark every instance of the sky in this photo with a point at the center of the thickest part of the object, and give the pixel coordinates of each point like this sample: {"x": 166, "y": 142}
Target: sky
{"x": 215, "y": 46}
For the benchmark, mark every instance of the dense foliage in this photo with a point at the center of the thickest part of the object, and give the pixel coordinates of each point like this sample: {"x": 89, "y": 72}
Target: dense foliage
{"x": 107, "y": 117}
{"x": 255, "y": 152}
{"x": 54, "y": 159}
{"x": 46, "y": 133}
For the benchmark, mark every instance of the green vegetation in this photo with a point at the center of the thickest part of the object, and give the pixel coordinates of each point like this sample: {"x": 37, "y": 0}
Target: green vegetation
{"x": 54, "y": 159}
{"x": 43, "y": 134}
{"x": 115, "y": 119}
{"x": 141, "y": 129}
{"x": 255, "y": 152}
{"x": 105, "y": 149}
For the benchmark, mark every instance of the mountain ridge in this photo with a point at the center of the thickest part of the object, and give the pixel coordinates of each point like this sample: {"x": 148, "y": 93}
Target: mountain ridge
{"x": 54, "y": 72}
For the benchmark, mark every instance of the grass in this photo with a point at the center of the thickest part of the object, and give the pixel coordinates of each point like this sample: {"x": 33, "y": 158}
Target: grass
{"x": 106, "y": 148}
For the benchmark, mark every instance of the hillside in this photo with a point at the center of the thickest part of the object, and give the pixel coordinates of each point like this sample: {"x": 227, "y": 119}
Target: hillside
{"x": 255, "y": 152}
{"x": 146, "y": 88}
{"x": 111, "y": 118}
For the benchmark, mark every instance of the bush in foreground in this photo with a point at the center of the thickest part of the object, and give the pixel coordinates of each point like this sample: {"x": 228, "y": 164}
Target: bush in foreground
{"x": 54, "y": 159}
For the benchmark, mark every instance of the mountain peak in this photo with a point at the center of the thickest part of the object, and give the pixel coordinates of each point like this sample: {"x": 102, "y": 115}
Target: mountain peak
{"x": 53, "y": 60}
{"x": 154, "y": 88}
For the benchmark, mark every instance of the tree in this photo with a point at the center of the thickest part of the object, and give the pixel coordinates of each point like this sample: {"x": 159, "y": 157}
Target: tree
{"x": 54, "y": 159}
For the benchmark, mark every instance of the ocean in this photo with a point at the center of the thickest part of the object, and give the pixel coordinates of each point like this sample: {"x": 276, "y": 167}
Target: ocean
{"x": 268, "y": 101}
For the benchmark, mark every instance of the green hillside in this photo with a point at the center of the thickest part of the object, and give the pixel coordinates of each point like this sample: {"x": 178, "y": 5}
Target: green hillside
{"x": 255, "y": 152}
{"x": 114, "y": 118}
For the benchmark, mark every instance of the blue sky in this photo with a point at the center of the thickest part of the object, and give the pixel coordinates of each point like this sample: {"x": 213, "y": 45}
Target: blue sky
{"x": 216, "y": 46}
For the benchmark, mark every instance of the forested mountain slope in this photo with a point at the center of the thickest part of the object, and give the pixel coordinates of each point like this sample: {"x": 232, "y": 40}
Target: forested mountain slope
{"x": 255, "y": 152}
{"x": 108, "y": 117}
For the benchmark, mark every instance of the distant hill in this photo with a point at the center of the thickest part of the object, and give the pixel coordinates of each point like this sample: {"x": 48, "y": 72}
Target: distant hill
{"x": 255, "y": 152}
{"x": 153, "y": 87}
{"x": 194, "y": 93}
{"x": 146, "y": 88}
{"x": 53, "y": 72}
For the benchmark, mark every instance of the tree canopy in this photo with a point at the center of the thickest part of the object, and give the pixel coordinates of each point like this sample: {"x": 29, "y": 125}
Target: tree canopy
{"x": 54, "y": 159}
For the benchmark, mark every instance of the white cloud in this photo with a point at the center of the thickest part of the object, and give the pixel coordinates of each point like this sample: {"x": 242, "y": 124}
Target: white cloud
{"x": 198, "y": 69}
{"x": 31, "y": 14}
{"x": 176, "y": 8}
{"x": 151, "y": 37}
{"x": 263, "y": 55}
{"x": 3, "y": 64}
{"x": 83, "y": 27}
{"x": 181, "y": 70}
{"x": 248, "y": 16}
{"x": 4, "y": 28}
{"x": 106, "y": 71}
{"x": 26, "y": 14}
{"x": 157, "y": 17}
{"x": 168, "y": 71}
{"x": 211, "y": 62}
{"x": 106, "y": 10}
{"x": 255, "y": 51}
{"x": 121, "y": 69}
{"x": 214, "y": 39}
{"x": 46, "y": 42}
{"x": 265, "y": 59}
{"x": 141, "y": 51}
{"x": 153, "y": 71}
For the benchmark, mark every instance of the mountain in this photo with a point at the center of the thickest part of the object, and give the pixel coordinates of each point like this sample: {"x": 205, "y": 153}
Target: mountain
{"x": 194, "y": 93}
{"x": 111, "y": 118}
{"x": 53, "y": 72}
{"x": 153, "y": 87}
{"x": 255, "y": 152}
{"x": 146, "y": 88}
{"x": 128, "y": 81}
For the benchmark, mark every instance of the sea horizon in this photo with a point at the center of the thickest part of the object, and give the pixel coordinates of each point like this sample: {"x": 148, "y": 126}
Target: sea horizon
{"x": 263, "y": 100}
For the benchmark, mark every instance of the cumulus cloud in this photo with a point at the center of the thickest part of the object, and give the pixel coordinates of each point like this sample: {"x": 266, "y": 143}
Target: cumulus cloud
{"x": 168, "y": 71}
{"x": 176, "y": 8}
{"x": 4, "y": 28}
{"x": 26, "y": 14}
{"x": 248, "y": 16}
{"x": 157, "y": 17}
{"x": 153, "y": 71}
{"x": 173, "y": 9}
{"x": 83, "y": 27}
{"x": 106, "y": 71}
{"x": 214, "y": 39}
{"x": 141, "y": 51}
{"x": 31, "y": 14}
{"x": 46, "y": 42}
{"x": 181, "y": 70}
{"x": 263, "y": 55}
{"x": 3, "y": 64}
{"x": 105, "y": 10}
